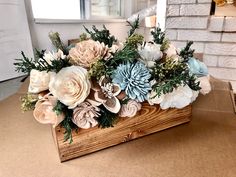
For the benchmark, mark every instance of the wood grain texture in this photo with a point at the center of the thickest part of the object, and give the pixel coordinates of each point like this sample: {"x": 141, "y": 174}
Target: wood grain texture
{"x": 149, "y": 120}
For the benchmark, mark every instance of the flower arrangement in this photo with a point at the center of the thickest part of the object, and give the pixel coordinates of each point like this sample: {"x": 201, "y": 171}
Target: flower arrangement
{"x": 98, "y": 79}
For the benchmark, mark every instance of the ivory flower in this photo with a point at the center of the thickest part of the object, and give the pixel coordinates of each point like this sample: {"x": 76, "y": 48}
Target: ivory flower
{"x": 44, "y": 113}
{"x": 106, "y": 93}
{"x": 204, "y": 84}
{"x": 39, "y": 81}
{"x": 130, "y": 109}
{"x": 70, "y": 85}
{"x": 171, "y": 51}
{"x": 87, "y": 52}
{"x": 50, "y": 56}
{"x": 149, "y": 52}
{"x": 179, "y": 98}
{"x": 84, "y": 115}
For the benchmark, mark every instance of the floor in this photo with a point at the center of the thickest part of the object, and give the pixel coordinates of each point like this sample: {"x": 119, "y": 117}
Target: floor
{"x": 9, "y": 87}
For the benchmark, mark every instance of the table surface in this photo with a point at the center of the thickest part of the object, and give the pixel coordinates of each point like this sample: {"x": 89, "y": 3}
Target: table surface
{"x": 205, "y": 147}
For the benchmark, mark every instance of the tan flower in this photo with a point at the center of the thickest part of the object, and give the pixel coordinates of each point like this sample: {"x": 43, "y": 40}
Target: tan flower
{"x": 130, "y": 109}
{"x": 171, "y": 51}
{"x": 44, "y": 113}
{"x": 84, "y": 114}
{"x": 70, "y": 85}
{"x": 87, "y": 52}
{"x": 204, "y": 84}
{"x": 39, "y": 81}
{"x": 106, "y": 93}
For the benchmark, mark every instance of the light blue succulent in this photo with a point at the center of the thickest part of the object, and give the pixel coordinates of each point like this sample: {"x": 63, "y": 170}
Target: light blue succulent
{"x": 134, "y": 79}
{"x": 197, "y": 67}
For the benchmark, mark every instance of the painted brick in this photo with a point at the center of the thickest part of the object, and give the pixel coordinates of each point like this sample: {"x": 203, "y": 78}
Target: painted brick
{"x": 223, "y": 73}
{"x": 210, "y": 60}
{"x": 187, "y": 22}
{"x": 195, "y": 9}
{"x": 220, "y": 49}
{"x": 216, "y": 23}
{"x": 198, "y": 46}
{"x": 230, "y": 24}
{"x": 204, "y": 1}
{"x": 229, "y": 37}
{"x": 198, "y": 35}
{"x": 173, "y": 10}
{"x": 181, "y": 1}
{"x": 171, "y": 34}
{"x": 227, "y": 61}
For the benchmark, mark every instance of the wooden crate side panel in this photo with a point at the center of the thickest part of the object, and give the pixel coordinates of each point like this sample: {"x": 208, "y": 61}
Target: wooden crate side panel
{"x": 149, "y": 120}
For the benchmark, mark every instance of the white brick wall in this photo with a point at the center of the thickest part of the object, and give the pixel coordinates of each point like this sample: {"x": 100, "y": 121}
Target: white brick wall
{"x": 213, "y": 36}
{"x": 181, "y": 1}
{"x": 173, "y": 10}
{"x": 187, "y": 22}
{"x": 198, "y": 35}
{"x": 195, "y": 9}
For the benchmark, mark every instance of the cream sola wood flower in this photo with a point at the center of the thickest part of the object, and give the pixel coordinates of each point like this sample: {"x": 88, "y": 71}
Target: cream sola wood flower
{"x": 44, "y": 113}
{"x": 149, "y": 53}
{"x": 88, "y": 52}
{"x": 70, "y": 85}
{"x": 133, "y": 79}
{"x": 85, "y": 114}
{"x": 106, "y": 93}
{"x": 178, "y": 98}
{"x": 50, "y": 56}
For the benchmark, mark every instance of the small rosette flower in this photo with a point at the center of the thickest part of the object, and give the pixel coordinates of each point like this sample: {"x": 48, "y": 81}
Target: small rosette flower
{"x": 134, "y": 79}
{"x": 204, "y": 84}
{"x": 87, "y": 52}
{"x": 130, "y": 109}
{"x": 44, "y": 113}
{"x": 197, "y": 67}
{"x": 171, "y": 51}
{"x": 39, "y": 81}
{"x": 84, "y": 115}
{"x": 149, "y": 53}
{"x": 70, "y": 85}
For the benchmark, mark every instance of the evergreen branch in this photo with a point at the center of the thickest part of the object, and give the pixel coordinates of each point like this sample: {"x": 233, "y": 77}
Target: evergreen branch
{"x": 67, "y": 123}
{"x": 107, "y": 118}
{"x": 101, "y": 35}
{"x": 187, "y": 52}
{"x": 158, "y": 35}
{"x": 134, "y": 26}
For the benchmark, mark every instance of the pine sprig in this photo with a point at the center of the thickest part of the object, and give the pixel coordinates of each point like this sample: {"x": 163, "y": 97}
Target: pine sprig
{"x": 171, "y": 74}
{"x": 67, "y": 123}
{"x": 134, "y": 26}
{"x": 158, "y": 35}
{"x": 187, "y": 52}
{"x": 107, "y": 118}
{"x": 101, "y": 35}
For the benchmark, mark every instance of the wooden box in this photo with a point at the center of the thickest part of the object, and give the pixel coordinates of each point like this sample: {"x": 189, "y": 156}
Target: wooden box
{"x": 149, "y": 120}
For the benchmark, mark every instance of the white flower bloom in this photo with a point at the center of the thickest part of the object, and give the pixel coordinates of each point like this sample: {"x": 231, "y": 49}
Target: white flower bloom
{"x": 130, "y": 109}
{"x": 50, "y": 56}
{"x": 179, "y": 98}
{"x": 39, "y": 81}
{"x": 150, "y": 52}
{"x": 70, "y": 85}
{"x": 204, "y": 84}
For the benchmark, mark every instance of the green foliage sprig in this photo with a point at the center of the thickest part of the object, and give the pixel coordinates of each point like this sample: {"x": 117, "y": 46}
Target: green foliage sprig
{"x": 171, "y": 74}
{"x": 187, "y": 52}
{"x": 134, "y": 26}
{"x": 107, "y": 118}
{"x": 67, "y": 123}
{"x": 158, "y": 35}
{"x": 101, "y": 35}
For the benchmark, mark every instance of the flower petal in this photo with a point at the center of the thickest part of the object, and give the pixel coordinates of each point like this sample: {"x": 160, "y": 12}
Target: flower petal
{"x": 112, "y": 105}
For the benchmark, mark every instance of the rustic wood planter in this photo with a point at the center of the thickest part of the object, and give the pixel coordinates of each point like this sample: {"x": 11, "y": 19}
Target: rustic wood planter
{"x": 150, "y": 119}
